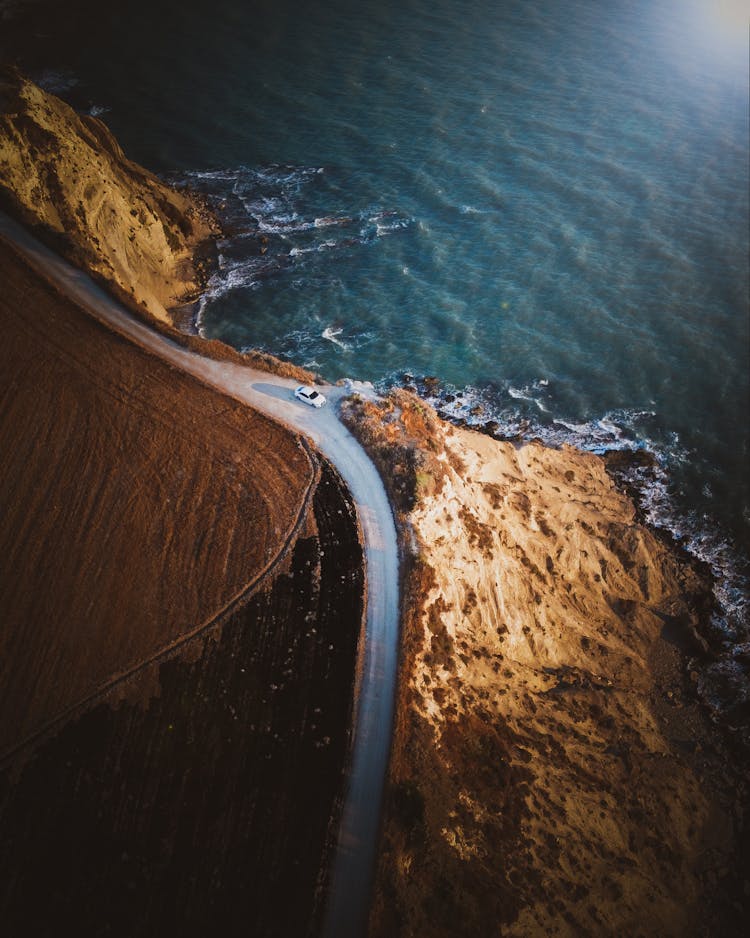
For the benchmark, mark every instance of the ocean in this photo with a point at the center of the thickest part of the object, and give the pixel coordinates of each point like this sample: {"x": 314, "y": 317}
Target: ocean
{"x": 541, "y": 203}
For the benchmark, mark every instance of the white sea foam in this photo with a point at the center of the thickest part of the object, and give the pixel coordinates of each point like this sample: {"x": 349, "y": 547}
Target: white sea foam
{"x": 229, "y": 277}
{"x": 608, "y": 427}
{"x": 397, "y": 224}
{"x": 623, "y": 430}
{"x": 283, "y": 224}
{"x": 527, "y": 394}
{"x": 218, "y": 175}
{"x": 329, "y": 221}
{"x": 314, "y": 248}
{"x": 56, "y": 82}
{"x": 332, "y": 335}
{"x": 269, "y": 202}
{"x": 579, "y": 428}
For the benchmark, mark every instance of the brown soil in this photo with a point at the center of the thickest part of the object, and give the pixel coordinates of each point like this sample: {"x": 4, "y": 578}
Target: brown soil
{"x": 180, "y": 610}
{"x": 137, "y": 504}
{"x": 212, "y": 811}
{"x": 551, "y": 772}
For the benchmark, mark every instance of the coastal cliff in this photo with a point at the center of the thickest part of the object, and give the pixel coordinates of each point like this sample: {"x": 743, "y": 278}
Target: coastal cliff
{"x": 65, "y": 176}
{"x": 550, "y": 771}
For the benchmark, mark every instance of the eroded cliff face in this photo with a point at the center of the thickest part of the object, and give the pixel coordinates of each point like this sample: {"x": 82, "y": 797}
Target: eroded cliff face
{"x": 65, "y": 176}
{"x": 541, "y": 780}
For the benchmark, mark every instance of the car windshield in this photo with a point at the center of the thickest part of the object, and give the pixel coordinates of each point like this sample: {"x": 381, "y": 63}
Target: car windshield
{"x": 313, "y": 395}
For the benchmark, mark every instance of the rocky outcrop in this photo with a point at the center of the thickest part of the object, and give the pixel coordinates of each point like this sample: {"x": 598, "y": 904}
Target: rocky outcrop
{"x": 65, "y": 176}
{"x": 550, "y": 773}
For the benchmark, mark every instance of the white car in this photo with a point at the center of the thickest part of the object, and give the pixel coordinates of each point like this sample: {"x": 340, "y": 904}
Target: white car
{"x": 309, "y": 396}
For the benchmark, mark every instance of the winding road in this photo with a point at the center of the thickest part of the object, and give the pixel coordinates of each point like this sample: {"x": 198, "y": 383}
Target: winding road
{"x": 349, "y": 897}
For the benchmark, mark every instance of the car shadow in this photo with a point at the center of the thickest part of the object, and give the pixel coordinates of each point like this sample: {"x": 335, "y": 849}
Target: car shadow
{"x": 277, "y": 391}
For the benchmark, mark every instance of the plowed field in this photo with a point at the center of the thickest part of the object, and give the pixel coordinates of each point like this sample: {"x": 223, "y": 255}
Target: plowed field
{"x": 136, "y": 504}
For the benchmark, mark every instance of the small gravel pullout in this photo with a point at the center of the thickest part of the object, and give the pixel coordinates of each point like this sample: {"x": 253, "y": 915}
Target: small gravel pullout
{"x": 354, "y": 862}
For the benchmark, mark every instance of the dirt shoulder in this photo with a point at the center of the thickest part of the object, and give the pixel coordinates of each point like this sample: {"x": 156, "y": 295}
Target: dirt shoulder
{"x": 136, "y": 502}
{"x": 551, "y": 773}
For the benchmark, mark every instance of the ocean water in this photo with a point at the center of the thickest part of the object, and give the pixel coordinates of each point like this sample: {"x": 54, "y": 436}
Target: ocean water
{"x": 543, "y": 203}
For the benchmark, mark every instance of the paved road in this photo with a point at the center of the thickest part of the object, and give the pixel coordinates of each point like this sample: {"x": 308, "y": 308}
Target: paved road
{"x": 353, "y": 867}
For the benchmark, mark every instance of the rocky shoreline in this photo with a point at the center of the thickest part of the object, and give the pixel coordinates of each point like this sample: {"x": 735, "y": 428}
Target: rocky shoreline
{"x": 552, "y": 770}
{"x": 720, "y": 641}
{"x": 65, "y": 176}
{"x": 153, "y": 246}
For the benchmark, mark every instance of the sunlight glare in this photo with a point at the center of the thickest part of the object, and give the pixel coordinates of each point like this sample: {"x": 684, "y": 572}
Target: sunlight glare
{"x": 717, "y": 30}
{"x": 731, "y": 17}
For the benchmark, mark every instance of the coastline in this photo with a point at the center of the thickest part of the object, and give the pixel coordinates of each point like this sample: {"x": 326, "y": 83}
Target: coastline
{"x": 642, "y": 476}
{"x": 542, "y": 704}
{"x": 150, "y": 245}
{"x": 463, "y": 758}
{"x": 274, "y": 398}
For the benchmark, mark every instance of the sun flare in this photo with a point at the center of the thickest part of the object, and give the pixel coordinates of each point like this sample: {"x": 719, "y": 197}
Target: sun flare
{"x": 730, "y": 15}
{"x": 720, "y": 28}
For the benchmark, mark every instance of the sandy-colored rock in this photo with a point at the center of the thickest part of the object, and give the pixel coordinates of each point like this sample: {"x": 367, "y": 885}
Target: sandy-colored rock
{"x": 535, "y": 785}
{"x": 66, "y": 176}
{"x": 150, "y": 245}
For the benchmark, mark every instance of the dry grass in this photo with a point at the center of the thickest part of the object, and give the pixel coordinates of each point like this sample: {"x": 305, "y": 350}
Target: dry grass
{"x": 400, "y": 434}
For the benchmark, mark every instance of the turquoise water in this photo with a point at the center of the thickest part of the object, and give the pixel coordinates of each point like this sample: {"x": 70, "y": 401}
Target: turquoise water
{"x": 544, "y": 204}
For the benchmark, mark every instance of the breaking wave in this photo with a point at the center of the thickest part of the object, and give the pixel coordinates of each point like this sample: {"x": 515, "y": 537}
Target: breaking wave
{"x": 308, "y": 346}
{"x": 274, "y": 225}
{"x": 333, "y": 336}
